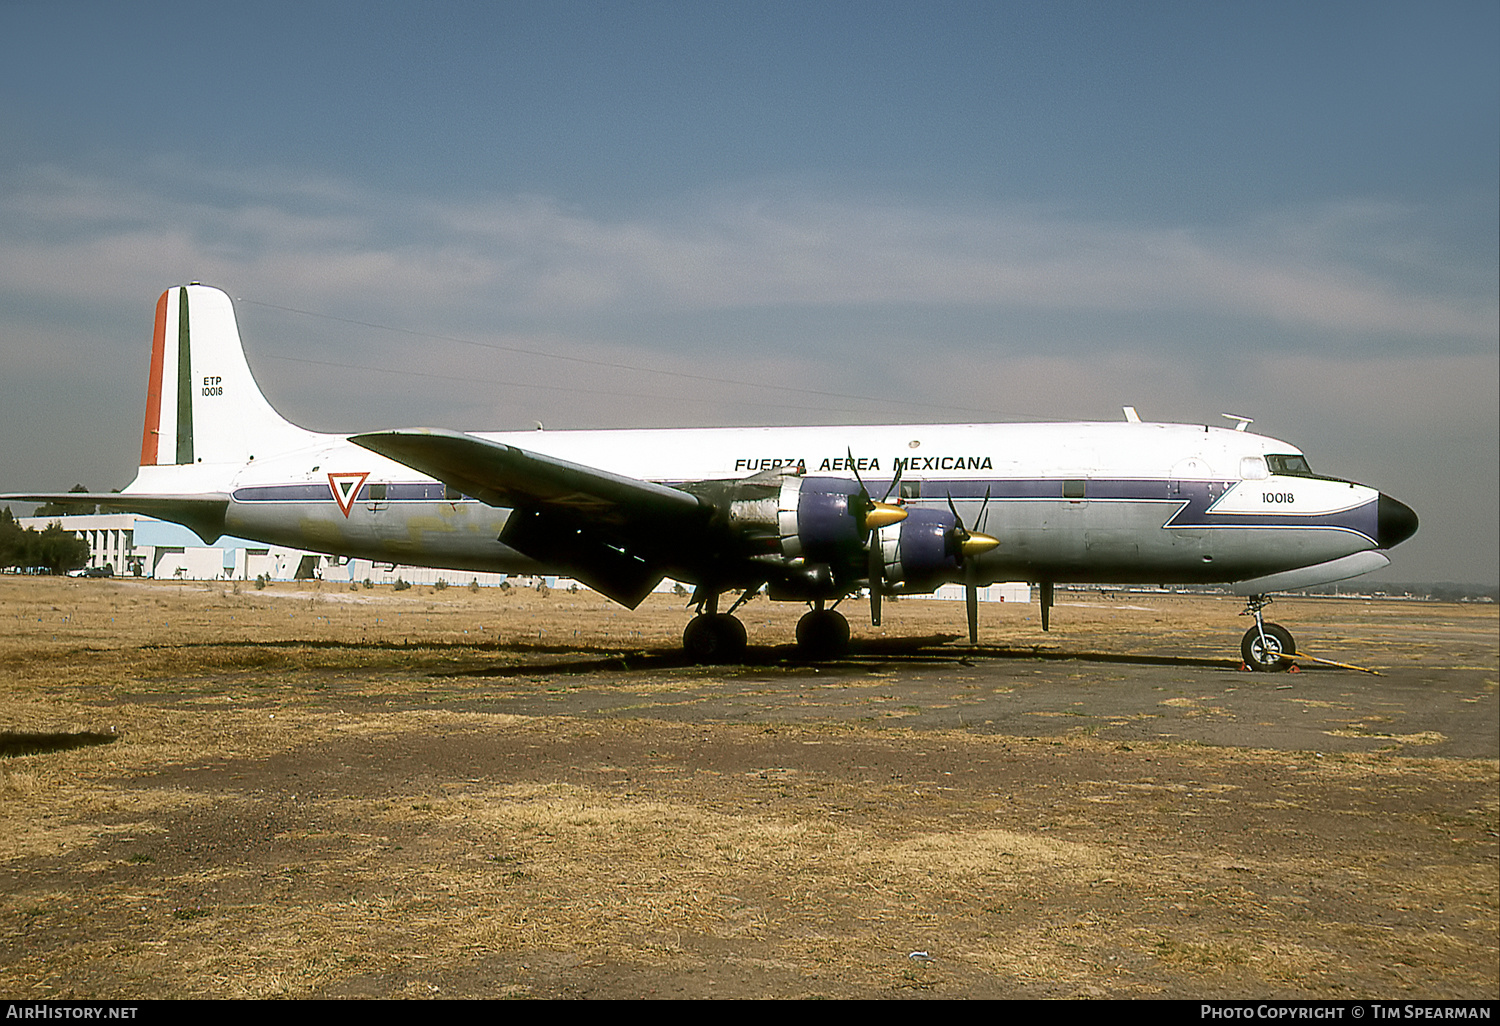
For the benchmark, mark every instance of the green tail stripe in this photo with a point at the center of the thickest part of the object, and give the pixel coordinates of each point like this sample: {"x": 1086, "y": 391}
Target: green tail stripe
{"x": 184, "y": 384}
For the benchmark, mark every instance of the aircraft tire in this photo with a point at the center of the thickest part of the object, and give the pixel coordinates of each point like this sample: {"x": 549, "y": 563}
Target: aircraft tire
{"x": 822, "y": 634}
{"x": 1267, "y": 657}
{"x": 714, "y": 638}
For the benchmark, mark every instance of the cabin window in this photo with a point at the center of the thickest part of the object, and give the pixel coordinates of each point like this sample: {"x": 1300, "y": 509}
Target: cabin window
{"x": 1253, "y": 468}
{"x": 1289, "y": 466}
{"x": 1074, "y": 489}
{"x": 911, "y": 489}
{"x": 377, "y": 493}
{"x": 451, "y": 494}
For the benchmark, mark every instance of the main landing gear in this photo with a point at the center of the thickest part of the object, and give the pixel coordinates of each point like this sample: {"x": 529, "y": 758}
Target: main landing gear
{"x": 822, "y": 634}
{"x": 713, "y": 637}
{"x": 1267, "y": 647}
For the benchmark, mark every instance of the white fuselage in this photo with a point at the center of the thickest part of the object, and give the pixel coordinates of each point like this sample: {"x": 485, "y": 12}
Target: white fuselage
{"x": 1109, "y": 502}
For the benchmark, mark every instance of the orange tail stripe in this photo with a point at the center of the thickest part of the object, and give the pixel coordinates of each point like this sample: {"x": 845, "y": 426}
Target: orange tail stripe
{"x": 151, "y": 433}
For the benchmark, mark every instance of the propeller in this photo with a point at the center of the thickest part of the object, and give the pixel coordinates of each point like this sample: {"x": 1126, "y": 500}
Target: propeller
{"x": 871, "y": 517}
{"x": 968, "y": 546}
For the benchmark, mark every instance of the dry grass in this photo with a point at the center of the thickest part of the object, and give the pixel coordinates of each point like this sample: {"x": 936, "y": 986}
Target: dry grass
{"x": 314, "y": 794}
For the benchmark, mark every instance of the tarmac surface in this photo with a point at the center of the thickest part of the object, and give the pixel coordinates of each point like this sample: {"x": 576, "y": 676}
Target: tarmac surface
{"x": 946, "y": 685}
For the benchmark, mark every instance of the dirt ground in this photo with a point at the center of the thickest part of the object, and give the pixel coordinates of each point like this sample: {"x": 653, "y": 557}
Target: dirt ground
{"x": 217, "y": 791}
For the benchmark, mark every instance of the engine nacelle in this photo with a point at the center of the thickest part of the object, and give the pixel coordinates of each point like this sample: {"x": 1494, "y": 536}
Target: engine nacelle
{"x": 819, "y": 520}
{"x": 919, "y": 553}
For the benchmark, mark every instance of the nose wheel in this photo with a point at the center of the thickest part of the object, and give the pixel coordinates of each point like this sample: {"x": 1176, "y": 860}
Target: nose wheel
{"x": 1264, "y": 646}
{"x": 1267, "y": 647}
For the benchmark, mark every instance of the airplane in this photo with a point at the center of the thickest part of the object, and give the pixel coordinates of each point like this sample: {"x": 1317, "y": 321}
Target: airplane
{"x": 790, "y": 511}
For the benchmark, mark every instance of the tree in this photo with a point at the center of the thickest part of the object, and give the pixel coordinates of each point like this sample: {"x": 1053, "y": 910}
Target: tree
{"x": 56, "y": 549}
{"x": 59, "y": 550}
{"x": 61, "y": 509}
{"x": 12, "y": 540}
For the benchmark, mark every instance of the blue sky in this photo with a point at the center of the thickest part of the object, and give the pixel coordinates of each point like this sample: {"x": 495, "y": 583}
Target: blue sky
{"x": 485, "y": 215}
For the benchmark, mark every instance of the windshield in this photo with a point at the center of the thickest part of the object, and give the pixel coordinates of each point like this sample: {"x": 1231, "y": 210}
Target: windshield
{"x": 1289, "y": 466}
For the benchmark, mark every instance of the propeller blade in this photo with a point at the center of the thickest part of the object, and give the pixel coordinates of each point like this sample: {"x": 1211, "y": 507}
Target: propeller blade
{"x": 873, "y": 515}
{"x": 964, "y": 542}
{"x": 895, "y": 483}
{"x": 971, "y": 545}
{"x": 971, "y": 601}
{"x": 855, "y": 467}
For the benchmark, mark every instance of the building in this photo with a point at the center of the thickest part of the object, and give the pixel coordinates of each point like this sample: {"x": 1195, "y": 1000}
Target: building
{"x": 132, "y": 545}
{"x": 110, "y": 536}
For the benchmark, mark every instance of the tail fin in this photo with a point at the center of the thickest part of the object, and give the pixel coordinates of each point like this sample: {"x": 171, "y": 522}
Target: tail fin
{"x": 202, "y": 403}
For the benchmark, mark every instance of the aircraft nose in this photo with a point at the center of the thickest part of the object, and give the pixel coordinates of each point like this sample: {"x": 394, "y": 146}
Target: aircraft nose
{"x": 1395, "y": 522}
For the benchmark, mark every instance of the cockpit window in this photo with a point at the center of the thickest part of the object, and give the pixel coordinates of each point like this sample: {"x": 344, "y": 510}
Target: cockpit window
{"x": 1289, "y": 466}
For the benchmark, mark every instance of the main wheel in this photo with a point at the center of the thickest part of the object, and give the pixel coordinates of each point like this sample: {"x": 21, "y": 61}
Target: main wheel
{"x": 822, "y": 634}
{"x": 1267, "y": 655}
{"x": 714, "y": 638}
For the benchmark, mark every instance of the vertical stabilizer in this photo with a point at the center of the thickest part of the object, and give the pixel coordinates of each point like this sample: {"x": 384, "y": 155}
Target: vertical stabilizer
{"x": 202, "y": 402}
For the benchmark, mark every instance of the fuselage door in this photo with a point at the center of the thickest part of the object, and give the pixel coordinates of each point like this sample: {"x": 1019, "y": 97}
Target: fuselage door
{"x": 375, "y": 496}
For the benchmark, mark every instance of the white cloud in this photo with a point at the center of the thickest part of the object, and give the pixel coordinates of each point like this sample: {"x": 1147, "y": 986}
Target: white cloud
{"x": 329, "y": 245}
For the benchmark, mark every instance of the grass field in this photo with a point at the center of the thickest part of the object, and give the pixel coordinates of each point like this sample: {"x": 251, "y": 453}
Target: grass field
{"x": 215, "y": 791}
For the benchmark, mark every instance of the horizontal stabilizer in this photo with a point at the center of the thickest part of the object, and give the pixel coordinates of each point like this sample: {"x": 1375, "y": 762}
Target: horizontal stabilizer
{"x": 203, "y": 514}
{"x": 1311, "y": 576}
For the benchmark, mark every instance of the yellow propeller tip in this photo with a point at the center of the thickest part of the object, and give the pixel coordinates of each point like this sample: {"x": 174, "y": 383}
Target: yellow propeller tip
{"x": 978, "y": 544}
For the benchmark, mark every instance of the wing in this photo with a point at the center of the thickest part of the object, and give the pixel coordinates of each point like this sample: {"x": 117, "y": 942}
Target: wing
{"x": 617, "y": 534}
{"x": 203, "y": 513}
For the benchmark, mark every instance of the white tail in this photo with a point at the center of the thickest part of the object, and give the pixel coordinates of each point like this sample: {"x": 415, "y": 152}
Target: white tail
{"x": 202, "y": 403}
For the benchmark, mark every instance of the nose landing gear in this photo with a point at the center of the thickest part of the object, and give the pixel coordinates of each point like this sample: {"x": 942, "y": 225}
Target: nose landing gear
{"x": 1267, "y": 647}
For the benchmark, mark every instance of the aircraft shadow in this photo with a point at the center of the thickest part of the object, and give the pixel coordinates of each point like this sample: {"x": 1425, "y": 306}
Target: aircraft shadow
{"x": 936, "y": 648}
{"x": 29, "y": 743}
{"x": 542, "y": 658}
